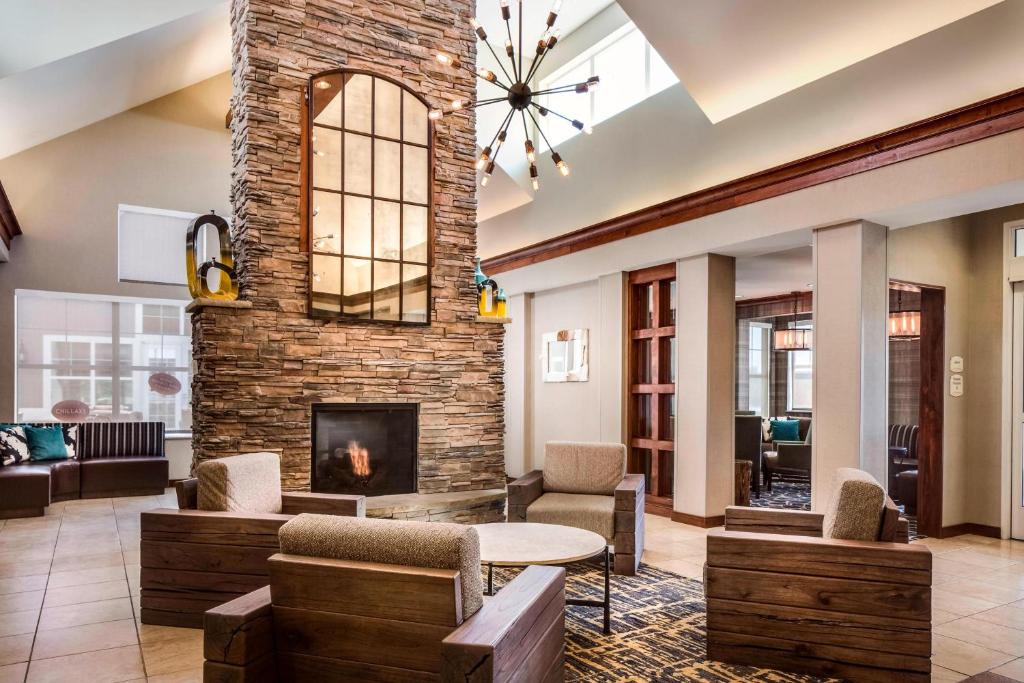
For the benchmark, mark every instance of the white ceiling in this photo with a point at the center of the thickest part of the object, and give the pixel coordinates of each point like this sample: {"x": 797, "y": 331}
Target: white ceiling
{"x": 732, "y": 55}
{"x": 65, "y": 64}
{"x": 535, "y": 12}
{"x": 774, "y": 273}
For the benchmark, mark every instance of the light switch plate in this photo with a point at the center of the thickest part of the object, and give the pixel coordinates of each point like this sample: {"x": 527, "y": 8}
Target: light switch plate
{"x": 956, "y": 385}
{"x": 956, "y": 364}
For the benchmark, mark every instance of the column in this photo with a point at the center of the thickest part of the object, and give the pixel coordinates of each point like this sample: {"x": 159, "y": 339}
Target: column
{"x": 518, "y": 387}
{"x": 850, "y": 315}
{"x": 611, "y": 346}
{"x": 705, "y": 388}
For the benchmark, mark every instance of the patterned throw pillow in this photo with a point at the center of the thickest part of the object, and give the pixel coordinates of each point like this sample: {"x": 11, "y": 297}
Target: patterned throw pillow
{"x": 13, "y": 445}
{"x": 71, "y": 440}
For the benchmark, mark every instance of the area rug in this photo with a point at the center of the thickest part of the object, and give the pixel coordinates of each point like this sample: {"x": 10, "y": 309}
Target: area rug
{"x": 658, "y": 631}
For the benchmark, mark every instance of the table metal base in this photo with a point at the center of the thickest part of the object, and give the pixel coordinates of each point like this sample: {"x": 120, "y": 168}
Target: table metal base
{"x": 581, "y": 602}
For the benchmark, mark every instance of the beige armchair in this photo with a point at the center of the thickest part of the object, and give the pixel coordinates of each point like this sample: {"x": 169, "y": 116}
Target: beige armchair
{"x": 585, "y": 485}
{"x": 839, "y": 594}
{"x": 215, "y": 546}
{"x": 383, "y": 600}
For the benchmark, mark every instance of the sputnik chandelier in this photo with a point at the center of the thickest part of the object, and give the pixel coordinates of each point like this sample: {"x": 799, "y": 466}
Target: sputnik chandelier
{"x": 520, "y": 98}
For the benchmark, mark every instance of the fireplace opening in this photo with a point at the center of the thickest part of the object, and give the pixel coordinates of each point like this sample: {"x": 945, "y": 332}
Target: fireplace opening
{"x": 364, "y": 448}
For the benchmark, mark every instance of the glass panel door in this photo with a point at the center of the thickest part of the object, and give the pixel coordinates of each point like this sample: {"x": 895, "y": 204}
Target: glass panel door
{"x": 651, "y": 401}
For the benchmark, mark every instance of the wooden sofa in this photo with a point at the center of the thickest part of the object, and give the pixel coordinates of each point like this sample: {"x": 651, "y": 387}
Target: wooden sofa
{"x": 585, "y": 485}
{"x": 335, "y": 619}
{"x": 781, "y": 595}
{"x": 193, "y": 560}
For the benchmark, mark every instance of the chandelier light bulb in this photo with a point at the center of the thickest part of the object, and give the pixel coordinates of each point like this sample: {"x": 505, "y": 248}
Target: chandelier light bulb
{"x": 501, "y": 138}
{"x": 508, "y": 49}
{"x": 458, "y": 104}
{"x": 593, "y": 82}
{"x": 320, "y": 153}
{"x": 535, "y": 180}
{"x": 447, "y": 60}
{"x": 435, "y": 114}
{"x": 486, "y": 74}
{"x": 506, "y": 13}
{"x": 530, "y": 154}
{"x": 553, "y": 38}
{"x": 485, "y": 156}
{"x": 560, "y": 164}
{"x": 588, "y": 130}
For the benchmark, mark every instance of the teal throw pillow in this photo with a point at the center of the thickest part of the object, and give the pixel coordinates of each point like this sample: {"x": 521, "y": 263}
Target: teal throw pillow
{"x": 46, "y": 443}
{"x": 785, "y": 430}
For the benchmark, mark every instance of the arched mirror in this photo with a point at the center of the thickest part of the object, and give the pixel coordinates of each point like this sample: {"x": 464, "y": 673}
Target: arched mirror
{"x": 369, "y": 193}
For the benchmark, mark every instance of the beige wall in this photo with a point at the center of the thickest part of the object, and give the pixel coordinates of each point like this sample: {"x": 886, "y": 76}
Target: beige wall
{"x": 964, "y": 255}
{"x": 171, "y": 153}
{"x": 539, "y": 411}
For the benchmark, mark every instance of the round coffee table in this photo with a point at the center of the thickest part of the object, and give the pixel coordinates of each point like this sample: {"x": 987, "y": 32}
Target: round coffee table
{"x": 518, "y": 544}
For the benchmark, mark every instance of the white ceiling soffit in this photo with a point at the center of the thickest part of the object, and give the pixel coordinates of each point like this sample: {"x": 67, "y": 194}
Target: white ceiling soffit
{"x": 503, "y": 193}
{"x": 37, "y": 32}
{"x": 116, "y": 71}
{"x": 778, "y": 272}
{"x": 732, "y": 55}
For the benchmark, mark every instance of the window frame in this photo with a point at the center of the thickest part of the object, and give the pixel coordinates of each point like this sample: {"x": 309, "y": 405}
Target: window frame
{"x": 587, "y": 57}
{"x": 764, "y": 331}
{"x": 790, "y": 366}
{"x": 118, "y": 371}
{"x": 309, "y": 126}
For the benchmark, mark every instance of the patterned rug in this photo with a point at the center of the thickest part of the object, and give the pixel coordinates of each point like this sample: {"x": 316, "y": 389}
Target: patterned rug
{"x": 658, "y": 631}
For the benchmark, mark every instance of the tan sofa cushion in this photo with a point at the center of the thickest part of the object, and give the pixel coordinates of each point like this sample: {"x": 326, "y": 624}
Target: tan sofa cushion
{"x": 854, "y": 512}
{"x": 437, "y": 545}
{"x": 577, "y": 467}
{"x": 250, "y": 482}
{"x": 580, "y": 510}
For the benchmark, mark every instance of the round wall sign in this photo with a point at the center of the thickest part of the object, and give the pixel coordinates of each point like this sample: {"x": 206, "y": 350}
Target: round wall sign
{"x": 164, "y": 384}
{"x": 70, "y": 411}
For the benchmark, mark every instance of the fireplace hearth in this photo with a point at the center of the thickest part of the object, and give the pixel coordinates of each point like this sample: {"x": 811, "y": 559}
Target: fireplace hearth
{"x": 364, "y": 448}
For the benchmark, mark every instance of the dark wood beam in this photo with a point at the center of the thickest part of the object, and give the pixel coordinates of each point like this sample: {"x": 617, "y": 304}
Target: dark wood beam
{"x": 9, "y": 226}
{"x": 994, "y": 116}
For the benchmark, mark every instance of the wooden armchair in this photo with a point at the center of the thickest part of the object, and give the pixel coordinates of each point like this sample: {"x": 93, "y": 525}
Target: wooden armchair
{"x": 784, "y": 593}
{"x": 330, "y": 619}
{"x": 584, "y": 485}
{"x": 194, "y": 559}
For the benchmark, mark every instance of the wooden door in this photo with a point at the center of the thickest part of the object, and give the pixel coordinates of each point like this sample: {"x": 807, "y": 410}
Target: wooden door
{"x": 651, "y": 408}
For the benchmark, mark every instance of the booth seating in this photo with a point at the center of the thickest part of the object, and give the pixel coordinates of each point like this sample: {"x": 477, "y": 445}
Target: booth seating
{"x": 111, "y": 459}
{"x": 386, "y": 600}
{"x": 214, "y": 548}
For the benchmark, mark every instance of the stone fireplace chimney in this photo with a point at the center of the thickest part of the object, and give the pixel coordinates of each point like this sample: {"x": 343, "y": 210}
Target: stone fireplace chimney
{"x": 261, "y": 363}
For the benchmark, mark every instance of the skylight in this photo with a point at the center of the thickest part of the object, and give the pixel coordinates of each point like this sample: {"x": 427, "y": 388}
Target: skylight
{"x": 630, "y": 70}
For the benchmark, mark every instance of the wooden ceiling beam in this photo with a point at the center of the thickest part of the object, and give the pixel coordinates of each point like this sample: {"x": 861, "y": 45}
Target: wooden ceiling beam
{"x": 9, "y": 226}
{"x": 994, "y": 116}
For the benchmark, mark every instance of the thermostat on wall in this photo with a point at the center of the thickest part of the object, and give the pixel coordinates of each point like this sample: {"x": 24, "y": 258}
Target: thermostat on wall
{"x": 956, "y": 364}
{"x": 956, "y": 385}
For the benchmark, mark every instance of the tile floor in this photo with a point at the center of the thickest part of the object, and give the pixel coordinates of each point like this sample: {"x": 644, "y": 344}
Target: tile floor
{"x": 69, "y": 605}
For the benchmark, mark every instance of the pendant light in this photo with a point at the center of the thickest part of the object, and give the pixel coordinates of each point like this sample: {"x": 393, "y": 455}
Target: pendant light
{"x": 793, "y": 338}
{"x": 520, "y": 98}
{"x": 904, "y": 324}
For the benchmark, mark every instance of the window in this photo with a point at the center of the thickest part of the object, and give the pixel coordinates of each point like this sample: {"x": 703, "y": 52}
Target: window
{"x": 759, "y": 364}
{"x": 151, "y": 245}
{"x": 799, "y": 384}
{"x": 630, "y": 70}
{"x": 369, "y": 199}
{"x": 66, "y": 352}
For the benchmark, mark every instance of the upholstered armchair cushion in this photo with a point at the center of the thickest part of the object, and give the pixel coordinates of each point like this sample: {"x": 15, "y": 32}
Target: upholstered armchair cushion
{"x": 577, "y": 467}
{"x": 854, "y": 512}
{"x": 437, "y": 545}
{"x": 583, "y": 511}
{"x": 250, "y": 482}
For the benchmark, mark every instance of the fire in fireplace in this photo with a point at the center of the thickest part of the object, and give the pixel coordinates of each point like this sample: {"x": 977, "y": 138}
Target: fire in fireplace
{"x": 364, "y": 448}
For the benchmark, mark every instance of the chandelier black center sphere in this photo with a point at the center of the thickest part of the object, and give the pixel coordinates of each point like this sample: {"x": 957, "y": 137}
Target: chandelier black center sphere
{"x": 518, "y": 94}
